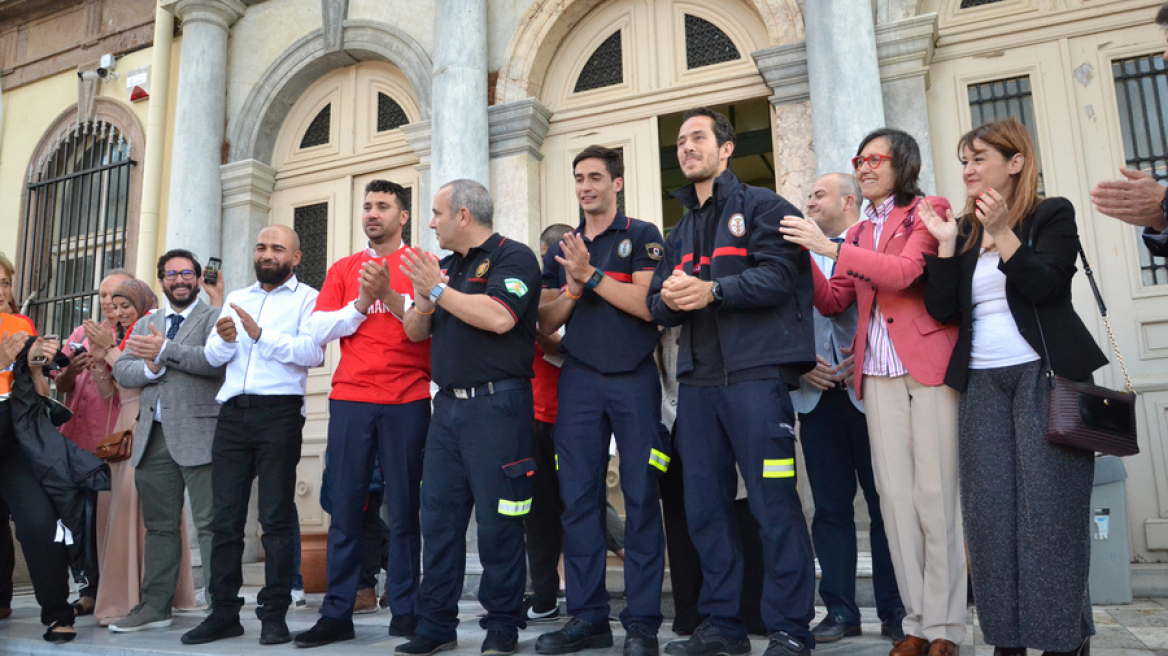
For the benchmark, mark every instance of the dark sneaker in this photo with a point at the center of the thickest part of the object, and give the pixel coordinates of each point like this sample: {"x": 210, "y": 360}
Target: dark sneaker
{"x": 640, "y": 641}
{"x": 403, "y": 626}
{"x": 536, "y": 616}
{"x": 708, "y": 640}
{"x": 327, "y": 631}
{"x": 894, "y": 626}
{"x": 420, "y": 645}
{"x": 213, "y": 629}
{"x": 498, "y": 643}
{"x": 274, "y": 631}
{"x": 141, "y": 618}
{"x": 782, "y": 644}
{"x": 833, "y": 628}
{"x": 576, "y": 635}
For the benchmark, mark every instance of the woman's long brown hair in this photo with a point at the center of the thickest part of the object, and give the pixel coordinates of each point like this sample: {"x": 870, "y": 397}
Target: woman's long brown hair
{"x": 1009, "y": 137}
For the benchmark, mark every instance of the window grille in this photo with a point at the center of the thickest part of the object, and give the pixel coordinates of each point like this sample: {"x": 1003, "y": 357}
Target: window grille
{"x": 311, "y": 223}
{"x": 967, "y": 4}
{"x": 706, "y": 45}
{"x": 74, "y": 224}
{"x": 1141, "y": 89}
{"x": 604, "y": 68}
{"x": 991, "y": 101}
{"x": 389, "y": 114}
{"x": 317, "y": 133}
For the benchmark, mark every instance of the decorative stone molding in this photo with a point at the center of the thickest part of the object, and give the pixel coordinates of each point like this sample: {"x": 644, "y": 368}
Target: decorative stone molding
{"x": 905, "y": 48}
{"x": 334, "y": 13}
{"x": 784, "y": 68}
{"x": 221, "y": 13}
{"x": 418, "y": 136}
{"x": 518, "y": 128}
{"x": 247, "y": 183}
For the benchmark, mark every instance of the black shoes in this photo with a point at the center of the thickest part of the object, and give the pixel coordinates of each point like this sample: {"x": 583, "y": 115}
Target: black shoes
{"x": 782, "y": 644}
{"x": 213, "y": 629}
{"x": 640, "y": 641}
{"x": 708, "y": 640}
{"x": 403, "y": 626}
{"x": 274, "y": 631}
{"x": 498, "y": 643}
{"x": 576, "y": 635}
{"x": 420, "y": 645}
{"x": 1009, "y": 651}
{"x": 327, "y": 631}
{"x": 58, "y": 633}
{"x": 539, "y": 616}
{"x": 894, "y": 626}
{"x": 833, "y": 628}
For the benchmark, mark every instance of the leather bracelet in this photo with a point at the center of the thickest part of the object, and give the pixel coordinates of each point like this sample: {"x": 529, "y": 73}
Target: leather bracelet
{"x": 569, "y": 293}
{"x": 424, "y": 314}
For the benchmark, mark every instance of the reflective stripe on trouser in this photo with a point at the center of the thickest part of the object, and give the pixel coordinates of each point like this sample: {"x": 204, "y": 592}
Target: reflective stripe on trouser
{"x": 514, "y": 508}
{"x": 627, "y": 406}
{"x": 659, "y": 460}
{"x": 781, "y": 468}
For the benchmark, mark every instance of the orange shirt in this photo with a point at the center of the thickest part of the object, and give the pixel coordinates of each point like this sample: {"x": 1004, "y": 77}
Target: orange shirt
{"x": 10, "y": 324}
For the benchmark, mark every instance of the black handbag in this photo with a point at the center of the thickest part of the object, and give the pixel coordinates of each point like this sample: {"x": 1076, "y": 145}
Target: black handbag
{"x": 1086, "y": 416}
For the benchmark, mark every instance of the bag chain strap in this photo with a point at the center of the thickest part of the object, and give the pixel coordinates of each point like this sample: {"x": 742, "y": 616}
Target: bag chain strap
{"x": 1106, "y": 321}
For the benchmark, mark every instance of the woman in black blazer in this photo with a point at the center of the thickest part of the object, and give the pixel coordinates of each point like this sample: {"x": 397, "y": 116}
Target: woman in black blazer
{"x": 1001, "y": 270}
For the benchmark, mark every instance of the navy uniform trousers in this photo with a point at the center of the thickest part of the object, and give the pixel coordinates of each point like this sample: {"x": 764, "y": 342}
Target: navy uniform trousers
{"x": 751, "y": 423}
{"x": 478, "y": 455}
{"x": 594, "y": 406}
{"x": 396, "y": 433}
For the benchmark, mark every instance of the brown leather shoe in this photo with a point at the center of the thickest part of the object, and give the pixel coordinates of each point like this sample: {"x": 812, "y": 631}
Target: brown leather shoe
{"x": 366, "y": 601}
{"x": 910, "y": 646}
{"x": 944, "y": 648}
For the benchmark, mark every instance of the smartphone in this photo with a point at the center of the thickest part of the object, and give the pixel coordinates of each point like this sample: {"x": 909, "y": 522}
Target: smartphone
{"x": 38, "y": 358}
{"x": 76, "y": 349}
{"x": 211, "y": 271}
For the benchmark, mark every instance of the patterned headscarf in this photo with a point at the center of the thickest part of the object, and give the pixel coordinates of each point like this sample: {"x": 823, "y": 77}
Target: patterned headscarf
{"x": 139, "y": 295}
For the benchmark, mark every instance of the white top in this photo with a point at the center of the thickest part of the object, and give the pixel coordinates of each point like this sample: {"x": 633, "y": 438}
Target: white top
{"x": 335, "y": 324}
{"x": 278, "y": 362}
{"x": 996, "y": 340}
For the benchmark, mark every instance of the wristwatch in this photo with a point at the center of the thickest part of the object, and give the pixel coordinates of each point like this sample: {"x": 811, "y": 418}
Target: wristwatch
{"x": 594, "y": 280}
{"x": 436, "y": 292}
{"x": 716, "y": 292}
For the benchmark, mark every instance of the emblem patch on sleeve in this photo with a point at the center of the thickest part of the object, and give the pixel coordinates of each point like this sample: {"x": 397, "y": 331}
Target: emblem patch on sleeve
{"x": 482, "y": 270}
{"x": 737, "y": 225}
{"x": 655, "y": 251}
{"x": 516, "y": 287}
{"x": 625, "y": 248}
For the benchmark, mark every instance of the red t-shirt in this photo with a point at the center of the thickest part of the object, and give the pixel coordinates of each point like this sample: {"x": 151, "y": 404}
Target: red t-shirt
{"x": 379, "y": 363}
{"x": 543, "y": 388}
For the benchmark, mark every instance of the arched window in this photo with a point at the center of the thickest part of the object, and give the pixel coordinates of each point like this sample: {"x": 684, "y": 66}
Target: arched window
{"x": 318, "y": 131}
{"x": 706, "y": 45}
{"x": 604, "y": 68}
{"x": 968, "y": 4}
{"x": 390, "y": 114}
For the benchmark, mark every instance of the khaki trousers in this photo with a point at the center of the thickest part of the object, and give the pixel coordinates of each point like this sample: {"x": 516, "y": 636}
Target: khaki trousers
{"x": 913, "y": 431}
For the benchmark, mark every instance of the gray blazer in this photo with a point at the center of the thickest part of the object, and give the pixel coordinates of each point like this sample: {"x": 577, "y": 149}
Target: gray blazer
{"x": 831, "y": 333}
{"x": 187, "y": 388}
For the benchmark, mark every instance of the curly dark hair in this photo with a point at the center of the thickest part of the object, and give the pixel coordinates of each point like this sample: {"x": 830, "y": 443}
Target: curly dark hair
{"x": 178, "y": 252}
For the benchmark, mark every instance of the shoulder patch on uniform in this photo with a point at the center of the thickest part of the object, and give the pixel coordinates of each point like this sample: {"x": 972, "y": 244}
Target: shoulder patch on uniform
{"x": 516, "y": 287}
{"x": 482, "y": 270}
{"x": 655, "y": 251}
{"x": 737, "y": 225}
{"x": 625, "y": 248}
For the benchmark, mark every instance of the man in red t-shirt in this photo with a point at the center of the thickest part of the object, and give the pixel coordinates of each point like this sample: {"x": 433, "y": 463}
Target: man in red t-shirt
{"x": 380, "y": 404}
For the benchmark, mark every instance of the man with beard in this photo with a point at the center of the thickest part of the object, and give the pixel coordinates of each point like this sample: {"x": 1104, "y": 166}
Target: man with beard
{"x": 742, "y": 295}
{"x": 172, "y": 442}
{"x": 264, "y": 337}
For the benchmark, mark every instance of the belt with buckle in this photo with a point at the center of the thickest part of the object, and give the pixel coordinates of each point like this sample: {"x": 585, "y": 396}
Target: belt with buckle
{"x": 247, "y": 401}
{"x": 488, "y": 389}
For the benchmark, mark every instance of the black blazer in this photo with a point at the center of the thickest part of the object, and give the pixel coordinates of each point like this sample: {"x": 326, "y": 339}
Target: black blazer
{"x": 1038, "y": 276}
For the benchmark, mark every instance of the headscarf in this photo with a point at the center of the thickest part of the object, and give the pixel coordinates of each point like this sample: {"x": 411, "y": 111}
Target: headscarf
{"x": 140, "y": 296}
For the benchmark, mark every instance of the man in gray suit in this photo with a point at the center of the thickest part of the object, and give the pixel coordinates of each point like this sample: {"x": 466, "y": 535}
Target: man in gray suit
{"x": 834, "y": 436}
{"x": 176, "y": 422}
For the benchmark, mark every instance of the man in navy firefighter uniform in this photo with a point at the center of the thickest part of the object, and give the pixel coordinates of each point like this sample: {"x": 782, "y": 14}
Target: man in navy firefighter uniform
{"x": 742, "y": 295}
{"x": 595, "y": 281}
{"x": 480, "y": 304}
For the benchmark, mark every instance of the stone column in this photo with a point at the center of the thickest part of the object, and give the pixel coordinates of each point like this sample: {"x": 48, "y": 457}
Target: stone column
{"x": 460, "y": 141}
{"x": 785, "y": 70}
{"x": 905, "y": 49}
{"x": 193, "y": 217}
{"x": 418, "y": 136}
{"x": 517, "y": 132}
{"x": 844, "y": 79}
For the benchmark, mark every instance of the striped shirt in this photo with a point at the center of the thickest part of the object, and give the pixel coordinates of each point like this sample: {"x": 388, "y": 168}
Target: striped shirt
{"x": 880, "y": 357}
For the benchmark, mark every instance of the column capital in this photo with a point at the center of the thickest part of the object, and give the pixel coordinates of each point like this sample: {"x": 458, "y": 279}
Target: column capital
{"x": 222, "y": 13}
{"x": 518, "y": 127}
{"x": 784, "y": 68}
{"x": 247, "y": 182}
{"x": 418, "y": 135}
{"x": 905, "y": 47}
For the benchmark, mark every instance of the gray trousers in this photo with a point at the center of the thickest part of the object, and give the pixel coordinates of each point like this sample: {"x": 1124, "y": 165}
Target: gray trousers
{"x": 1026, "y": 505}
{"x": 161, "y": 481}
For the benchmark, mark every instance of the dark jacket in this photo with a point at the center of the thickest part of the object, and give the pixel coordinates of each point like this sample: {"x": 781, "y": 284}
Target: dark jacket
{"x": 1038, "y": 277}
{"x": 766, "y": 316}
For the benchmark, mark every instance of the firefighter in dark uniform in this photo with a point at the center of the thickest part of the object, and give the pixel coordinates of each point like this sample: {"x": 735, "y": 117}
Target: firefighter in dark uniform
{"x": 595, "y": 281}
{"x": 742, "y": 295}
{"x": 480, "y": 304}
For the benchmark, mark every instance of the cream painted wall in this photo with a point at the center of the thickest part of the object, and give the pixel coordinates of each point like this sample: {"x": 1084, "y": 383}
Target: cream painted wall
{"x": 503, "y": 17}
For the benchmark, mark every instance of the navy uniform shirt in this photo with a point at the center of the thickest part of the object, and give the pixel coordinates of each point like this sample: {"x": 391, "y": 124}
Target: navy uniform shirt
{"x": 464, "y": 356}
{"x": 597, "y": 333}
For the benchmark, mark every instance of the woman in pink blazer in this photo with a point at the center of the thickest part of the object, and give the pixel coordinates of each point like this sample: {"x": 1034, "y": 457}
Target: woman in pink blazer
{"x": 902, "y": 354}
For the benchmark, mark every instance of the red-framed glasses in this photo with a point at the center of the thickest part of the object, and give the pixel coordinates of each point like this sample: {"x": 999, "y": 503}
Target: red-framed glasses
{"x": 873, "y": 160}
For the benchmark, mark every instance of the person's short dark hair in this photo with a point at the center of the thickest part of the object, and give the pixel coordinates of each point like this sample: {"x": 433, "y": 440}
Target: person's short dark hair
{"x": 389, "y": 187}
{"x": 723, "y": 128}
{"x": 178, "y": 252}
{"x": 613, "y": 161}
{"x": 906, "y": 162}
{"x": 1162, "y": 16}
{"x": 553, "y": 233}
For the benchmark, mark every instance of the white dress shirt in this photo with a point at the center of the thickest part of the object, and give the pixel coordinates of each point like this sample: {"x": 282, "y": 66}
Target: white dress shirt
{"x": 150, "y": 375}
{"x": 278, "y": 362}
{"x": 332, "y": 325}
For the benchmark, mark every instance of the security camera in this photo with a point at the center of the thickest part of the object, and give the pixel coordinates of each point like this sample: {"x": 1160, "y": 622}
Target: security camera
{"x": 106, "y": 74}
{"x": 89, "y": 75}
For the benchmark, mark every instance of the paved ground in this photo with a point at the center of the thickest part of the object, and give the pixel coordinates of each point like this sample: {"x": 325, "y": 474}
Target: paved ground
{"x": 1136, "y": 630}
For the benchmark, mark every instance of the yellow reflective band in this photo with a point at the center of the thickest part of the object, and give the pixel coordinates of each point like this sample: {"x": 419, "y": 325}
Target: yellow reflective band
{"x": 658, "y": 460}
{"x": 784, "y": 468}
{"x": 557, "y": 462}
{"x": 514, "y": 508}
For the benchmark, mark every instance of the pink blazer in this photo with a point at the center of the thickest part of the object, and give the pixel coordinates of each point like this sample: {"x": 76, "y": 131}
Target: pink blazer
{"x": 891, "y": 275}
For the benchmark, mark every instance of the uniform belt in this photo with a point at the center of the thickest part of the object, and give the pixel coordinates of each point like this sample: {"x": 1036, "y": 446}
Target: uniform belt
{"x": 263, "y": 401}
{"x": 486, "y": 390}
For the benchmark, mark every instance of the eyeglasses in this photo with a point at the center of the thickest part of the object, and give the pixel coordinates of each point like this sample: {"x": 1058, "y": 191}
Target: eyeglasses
{"x": 873, "y": 160}
{"x": 186, "y": 274}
